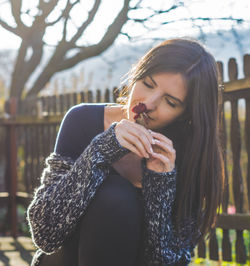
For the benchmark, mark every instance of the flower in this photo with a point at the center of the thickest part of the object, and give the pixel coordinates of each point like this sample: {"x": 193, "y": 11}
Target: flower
{"x": 140, "y": 117}
{"x": 139, "y": 108}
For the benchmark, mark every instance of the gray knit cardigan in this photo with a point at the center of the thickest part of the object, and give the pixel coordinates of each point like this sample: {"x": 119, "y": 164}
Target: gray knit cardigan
{"x": 67, "y": 188}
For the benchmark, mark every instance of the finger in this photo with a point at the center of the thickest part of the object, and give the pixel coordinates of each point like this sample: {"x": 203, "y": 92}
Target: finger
{"x": 144, "y": 140}
{"x": 166, "y": 147}
{"x": 134, "y": 150}
{"x": 131, "y": 147}
{"x": 165, "y": 160}
{"x": 161, "y": 137}
{"x": 137, "y": 143}
{"x": 131, "y": 135}
{"x": 135, "y": 129}
{"x": 145, "y": 131}
{"x": 143, "y": 137}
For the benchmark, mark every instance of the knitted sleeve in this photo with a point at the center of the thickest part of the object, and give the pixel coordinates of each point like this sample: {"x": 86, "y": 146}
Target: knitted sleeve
{"x": 163, "y": 247}
{"x": 66, "y": 189}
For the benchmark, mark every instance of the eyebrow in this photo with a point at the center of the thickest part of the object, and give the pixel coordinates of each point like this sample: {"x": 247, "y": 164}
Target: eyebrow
{"x": 171, "y": 96}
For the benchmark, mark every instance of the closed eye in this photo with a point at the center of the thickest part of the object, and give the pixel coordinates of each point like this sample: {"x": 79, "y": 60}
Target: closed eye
{"x": 147, "y": 85}
{"x": 170, "y": 103}
{"x": 167, "y": 100}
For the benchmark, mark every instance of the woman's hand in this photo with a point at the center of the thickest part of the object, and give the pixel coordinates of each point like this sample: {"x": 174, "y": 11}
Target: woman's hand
{"x": 134, "y": 137}
{"x": 163, "y": 158}
{"x": 139, "y": 140}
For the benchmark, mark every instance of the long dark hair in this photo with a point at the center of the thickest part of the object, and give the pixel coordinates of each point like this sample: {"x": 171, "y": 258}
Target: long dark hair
{"x": 195, "y": 134}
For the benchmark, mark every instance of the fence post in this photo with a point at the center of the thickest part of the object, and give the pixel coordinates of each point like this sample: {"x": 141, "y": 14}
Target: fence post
{"x": 11, "y": 170}
{"x": 238, "y": 188}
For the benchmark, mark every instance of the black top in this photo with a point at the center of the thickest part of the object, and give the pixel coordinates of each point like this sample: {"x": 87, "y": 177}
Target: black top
{"x": 69, "y": 185}
{"x": 89, "y": 119}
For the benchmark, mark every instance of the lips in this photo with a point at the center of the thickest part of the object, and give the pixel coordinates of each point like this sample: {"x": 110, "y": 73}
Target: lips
{"x": 149, "y": 117}
{"x": 146, "y": 116}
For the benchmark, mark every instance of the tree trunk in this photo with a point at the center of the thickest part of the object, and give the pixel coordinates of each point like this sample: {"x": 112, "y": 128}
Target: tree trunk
{"x": 17, "y": 80}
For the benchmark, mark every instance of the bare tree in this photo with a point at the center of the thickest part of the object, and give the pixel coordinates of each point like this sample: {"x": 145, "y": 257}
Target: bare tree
{"x": 32, "y": 46}
{"x": 32, "y": 42}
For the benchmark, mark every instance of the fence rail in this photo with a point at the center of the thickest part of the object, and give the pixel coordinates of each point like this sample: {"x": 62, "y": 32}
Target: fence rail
{"x": 60, "y": 103}
{"x": 31, "y": 128}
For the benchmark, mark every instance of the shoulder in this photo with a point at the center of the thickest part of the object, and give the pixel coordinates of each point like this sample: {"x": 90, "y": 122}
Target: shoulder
{"x": 83, "y": 109}
{"x": 79, "y": 125}
{"x": 83, "y": 114}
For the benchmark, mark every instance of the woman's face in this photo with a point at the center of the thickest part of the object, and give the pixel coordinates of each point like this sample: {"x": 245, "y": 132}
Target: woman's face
{"x": 163, "y": 94}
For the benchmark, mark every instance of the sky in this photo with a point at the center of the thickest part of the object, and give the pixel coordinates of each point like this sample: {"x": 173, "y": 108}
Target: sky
{"x": 109, "y": 9}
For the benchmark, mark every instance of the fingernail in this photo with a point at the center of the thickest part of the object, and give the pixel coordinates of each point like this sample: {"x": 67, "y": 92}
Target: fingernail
{"x": 153, "y": 141}
{"x": 151, "y": 150}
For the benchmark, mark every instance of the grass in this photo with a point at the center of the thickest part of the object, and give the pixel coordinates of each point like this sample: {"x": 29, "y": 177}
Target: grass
{"x": 232, "y": 236}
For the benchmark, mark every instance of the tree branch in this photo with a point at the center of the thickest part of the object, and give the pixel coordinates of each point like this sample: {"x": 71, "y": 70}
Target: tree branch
{"x": 90, "y": 18}
{"x": 127, "y": 35}
{"x": 64, "y": 14}
{"x": 173, "y": 7}
{"x": 16, "y": 11}
{"x": 238, "y": 20}
{"x": 47, "y": 7}
{"x": 112, "y": 32}
{"x": 65, "y": 29}
{"x": 57, "y": 63}
{"x": 157, "y": 12}
{"x": 136, "y": 6}
{"x": 40, "y": 3}
{"x": 9, "y": 28}
{"x": 49, "y": 45}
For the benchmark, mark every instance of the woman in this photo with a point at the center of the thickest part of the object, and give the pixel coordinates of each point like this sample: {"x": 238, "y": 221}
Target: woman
{"x": 119, "y": 190}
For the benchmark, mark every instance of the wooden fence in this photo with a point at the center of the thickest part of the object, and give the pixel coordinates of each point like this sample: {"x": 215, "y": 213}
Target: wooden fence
{"x": 235, "y": 131}
{"x": 28, "y": 132}
{"x": 30, "y": 129}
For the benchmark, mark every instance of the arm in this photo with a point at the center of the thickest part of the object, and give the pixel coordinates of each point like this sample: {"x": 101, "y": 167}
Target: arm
{"x": 163, "y": 247}
{"x": 67, "y": 187}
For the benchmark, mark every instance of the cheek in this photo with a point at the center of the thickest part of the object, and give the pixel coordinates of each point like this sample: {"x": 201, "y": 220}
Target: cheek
{"x": 135, "y": 96}
{"x": 168, "y": 115}
{"x": 136, "y": 93}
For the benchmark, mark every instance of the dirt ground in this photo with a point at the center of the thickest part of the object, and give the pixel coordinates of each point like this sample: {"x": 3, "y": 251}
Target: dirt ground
{"x": 16, "y": 252}
{"x": 19, "y": 252}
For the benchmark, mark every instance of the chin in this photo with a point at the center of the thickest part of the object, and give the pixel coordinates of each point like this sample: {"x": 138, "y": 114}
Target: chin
{"x": 159, "y": 128}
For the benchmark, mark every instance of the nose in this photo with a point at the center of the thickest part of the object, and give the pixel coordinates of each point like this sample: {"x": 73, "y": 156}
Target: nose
{"x": 152, "y": 102}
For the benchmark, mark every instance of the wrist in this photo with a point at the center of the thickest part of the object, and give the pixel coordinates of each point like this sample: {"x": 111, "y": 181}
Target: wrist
{"x": 167, "y": 174}
{"x": 107, "y": 147}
